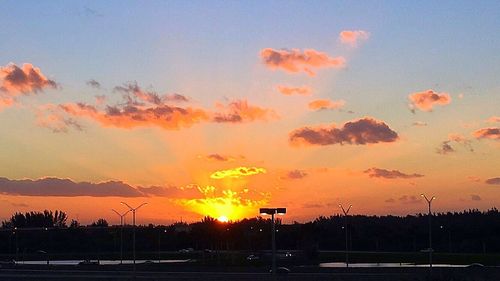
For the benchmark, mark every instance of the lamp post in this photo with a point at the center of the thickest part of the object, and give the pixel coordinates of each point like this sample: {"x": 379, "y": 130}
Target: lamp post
{"x": 159, "y": 244}
{"x": 273, "y": 212}
{"x": 346, "y": 212}
{"x": 429, "y": 202}
{"x": 121, "y": 232}
{"x": 133, "y": 225}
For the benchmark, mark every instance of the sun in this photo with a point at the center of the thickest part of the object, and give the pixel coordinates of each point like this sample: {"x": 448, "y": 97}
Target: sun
{"x": 223, "y": 219}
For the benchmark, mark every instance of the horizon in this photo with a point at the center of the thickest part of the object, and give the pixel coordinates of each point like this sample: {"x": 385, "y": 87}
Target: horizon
{"x": 220, "y": 108}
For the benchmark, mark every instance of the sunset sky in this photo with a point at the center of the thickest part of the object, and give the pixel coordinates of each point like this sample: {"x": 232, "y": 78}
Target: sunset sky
{"x": 221, "y": 107}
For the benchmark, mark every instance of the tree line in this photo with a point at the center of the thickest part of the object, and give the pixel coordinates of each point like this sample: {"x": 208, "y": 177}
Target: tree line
{"x": 470, "y": 231}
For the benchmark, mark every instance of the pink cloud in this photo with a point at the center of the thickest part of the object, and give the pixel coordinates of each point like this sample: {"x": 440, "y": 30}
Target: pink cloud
{"x": 487, "y": 133}
{"x": 295, "y": 60}
{"x": 290, "y": 91}
{"x": 425, "y": 101}
{"x": 360, "y": 132}
{"x": 326, "y": 104}
{"x": 493, "y": 119}
{"x": 239, "y": 111}
{"x": 15, "y": 81}
{"x": 353, "y": 37}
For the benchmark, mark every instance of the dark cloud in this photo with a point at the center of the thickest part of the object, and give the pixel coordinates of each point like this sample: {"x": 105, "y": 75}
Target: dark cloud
{"x": 93, "y": 83}
{"x": 419, "y": 124}
{"x": 445, "y": 148}
{"x": 495, "y": 181}
{"x": 360, "y": 132}
{"x": 68, "y": 188}
{"x": 295, "y": 175}
{"x": 390, "y": 174}
{"x": 390, "y": 200}
{"x": 475, "y": 197}
{"x": 409, "y": 199}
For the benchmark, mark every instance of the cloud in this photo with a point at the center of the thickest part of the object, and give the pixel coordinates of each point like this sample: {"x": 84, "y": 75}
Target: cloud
{"x": 312, "y": 205}
{"x": 290, "y": 91}
{"x": 390, "y": 200}
{"x": 425, "y": 101}
{"x": 360, "y": 132}
{"x": 16, "y": 81}
{"x": 93, "y": 83}
{"x": 474, "y": 178}
{"x": 409, "y": 199}
{"x": 58, "y": 187}
{"x": 419, "y": 124}
{"x": 353, "y": 37}
{"x": 487, "y": 133}
{"x": 66, "y": 188}
{"x": 135, "y": 95}
{"x": 220, "y": 157}
{"x": 495, "y": 181}
{"x": 239, "y": 111}
{"x": 390, "y": 174}
{"x": 295, "y": 60}
{"x": 237, "y": 172}
{"x": 228, "y": 203}
{"x": 445, "y": 148}
{"x": 295, "y": 175}
{"x": 326, "y": 104}
{"x": 493, "y": 119}
{"x": 475, "y": 197}
{"x": 51, "y": 117}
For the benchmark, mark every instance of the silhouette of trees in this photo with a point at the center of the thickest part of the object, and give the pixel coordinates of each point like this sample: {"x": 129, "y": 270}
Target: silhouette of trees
{"x": 37, "y": 219}
{"x": 100, "y": 223}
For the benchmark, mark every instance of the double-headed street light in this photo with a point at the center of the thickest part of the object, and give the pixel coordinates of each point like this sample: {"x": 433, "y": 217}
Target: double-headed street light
{"x": 133, "y": 225}
{"x": 429, "y": 202}
{"x": 346, "y": 212}
{"x": 273, "y": 212}
{"x": 121, "y": 232}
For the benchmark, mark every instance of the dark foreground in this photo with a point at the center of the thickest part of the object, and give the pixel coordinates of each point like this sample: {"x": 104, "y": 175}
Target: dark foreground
{"x": 192, "y": 272}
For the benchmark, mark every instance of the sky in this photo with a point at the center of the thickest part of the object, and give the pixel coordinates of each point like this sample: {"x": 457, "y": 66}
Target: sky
{"x": 218, "y": 108}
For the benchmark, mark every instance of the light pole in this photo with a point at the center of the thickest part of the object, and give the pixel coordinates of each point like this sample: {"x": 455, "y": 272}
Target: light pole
{"x": 159, "y": 244}
{"x": 121, "y": 232}
{"x": 133, "y": 225}
{"x": 273, "y": 212}
{"x": 429, "y": 202}
{"x": 346, "y": 212}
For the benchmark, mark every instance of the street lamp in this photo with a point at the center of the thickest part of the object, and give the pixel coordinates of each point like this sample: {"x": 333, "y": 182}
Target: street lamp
{"x": 272, "y": 212}
{"x": 121, "y": 232}
{"x": 346, "y": 212}
{"x": 429, "y": 202}
{"x": 133, "y": 225}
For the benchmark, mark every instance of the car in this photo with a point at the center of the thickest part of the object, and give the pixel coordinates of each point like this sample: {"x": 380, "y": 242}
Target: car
{"x": 281, "y": 270}
{"x": 88, "y": 262}
{"x": 252, "y": 258}
{"x": 186, "y": 250}
{"x": 475, "y": 265}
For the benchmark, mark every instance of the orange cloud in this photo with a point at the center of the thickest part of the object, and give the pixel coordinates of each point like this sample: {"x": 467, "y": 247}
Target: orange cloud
{"x": 390, "y": 174}
{"x": 289, "y": 91}
{"x": 487, "y": 133}
{"x": 295, "y": 175}
{"x": 295, "y": 61}
{"x": 164, "y": 116}
{"x": 360, "y": 132}
{"x": 237, "y": 172}
{"x": 426, "y": 100}
{"x": 227, "y": 203}
{"x": 15, "y": 81}
{"x": 326, "y": 104}
{"x": 239, "y": 111}
{"x": 353, "y": 37}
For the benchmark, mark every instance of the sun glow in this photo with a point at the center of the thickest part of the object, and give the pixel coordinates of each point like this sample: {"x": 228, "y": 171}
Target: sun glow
{"x": 223, "y": 219}
{"x": 226, "y": 205}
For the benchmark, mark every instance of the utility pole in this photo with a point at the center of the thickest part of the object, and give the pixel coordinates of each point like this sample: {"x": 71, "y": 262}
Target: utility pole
{"x": 121, "y": 232}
